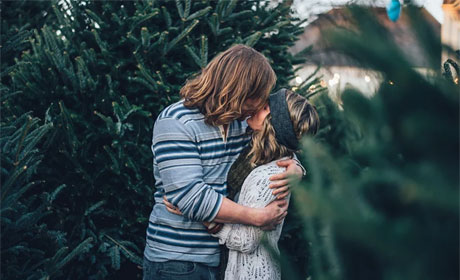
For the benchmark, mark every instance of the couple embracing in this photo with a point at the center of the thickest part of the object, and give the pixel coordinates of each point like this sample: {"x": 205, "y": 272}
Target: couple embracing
{"x": 221, "y": 177}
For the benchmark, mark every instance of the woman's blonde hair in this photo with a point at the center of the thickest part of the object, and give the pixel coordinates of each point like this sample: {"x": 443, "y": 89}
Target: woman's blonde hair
{"x": 223, "y": 86}
{"x": 305, "y": 120}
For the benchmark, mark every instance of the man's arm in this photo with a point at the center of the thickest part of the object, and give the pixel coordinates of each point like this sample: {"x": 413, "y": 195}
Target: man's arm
{"x": 176, "y": 154}
{"x": 231, "y": 212}
{"x": 179, "y": 163}
{"x": 269, "y": 216}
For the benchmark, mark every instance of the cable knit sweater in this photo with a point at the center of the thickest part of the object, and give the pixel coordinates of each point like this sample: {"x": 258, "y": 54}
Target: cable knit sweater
{"x": 248, "y": 259}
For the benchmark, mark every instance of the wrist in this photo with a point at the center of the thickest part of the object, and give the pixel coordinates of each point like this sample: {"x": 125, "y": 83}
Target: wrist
{"x": 258, "y": 217}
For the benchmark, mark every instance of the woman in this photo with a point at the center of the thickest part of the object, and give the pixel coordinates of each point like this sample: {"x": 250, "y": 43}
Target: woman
{"x": 277, "y": 129}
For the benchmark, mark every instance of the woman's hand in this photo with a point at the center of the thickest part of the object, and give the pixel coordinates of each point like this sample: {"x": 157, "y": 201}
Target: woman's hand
{"x": 280, "y": 182}
{"x": 171, "y": 208}
{"x": 212, "y": 227}
{"x": 272, "y": 214}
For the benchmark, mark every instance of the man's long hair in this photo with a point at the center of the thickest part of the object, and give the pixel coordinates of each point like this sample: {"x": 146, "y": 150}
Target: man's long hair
{"x": 305, "y": 120}
{"x": 231, "y": 78}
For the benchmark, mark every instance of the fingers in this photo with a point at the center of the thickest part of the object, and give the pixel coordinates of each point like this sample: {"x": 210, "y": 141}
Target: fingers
{"x": 281, "y": 203}
{"x": 177, "y": 212}
{"x": 285, "y": 162}
{"x": 283, "y": 216}
{"x": 280, "y": 176}
{"x": 283, "y": 195}
{"x": 170, "y": 207}
{"x": 278, "y": 183}
{"x": 215, "y": 229}
{"x": 276, "y": 203}
{"x": 276, "y": 211}
{"x": 278, "y": 221}
{"x": 280, "y": 190}
{"x": 167, "y": 203}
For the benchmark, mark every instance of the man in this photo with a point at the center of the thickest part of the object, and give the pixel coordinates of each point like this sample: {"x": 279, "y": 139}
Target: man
{"x": 195, "y": 141}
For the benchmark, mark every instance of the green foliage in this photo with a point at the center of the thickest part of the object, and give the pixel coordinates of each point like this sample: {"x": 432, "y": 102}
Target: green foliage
{"x": 96, "y": 76}
{"x": 27, "y": 240}
{"x": 16, "y": 28}
{"x": 381, "y": 198}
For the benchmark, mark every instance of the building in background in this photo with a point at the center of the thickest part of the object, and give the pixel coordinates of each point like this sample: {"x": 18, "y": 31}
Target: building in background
{"x": 339, "y": 71}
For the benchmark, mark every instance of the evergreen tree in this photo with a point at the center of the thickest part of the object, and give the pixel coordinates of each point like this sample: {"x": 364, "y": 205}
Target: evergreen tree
{"x": 99, "y": 76}
{"x": 386, "y": 206}
{"x": 29, "y": 248}
{"x": 17, "y": 27}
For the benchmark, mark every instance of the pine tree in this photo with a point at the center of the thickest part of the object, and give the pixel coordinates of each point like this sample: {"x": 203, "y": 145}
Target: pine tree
{"x": 15, "y": 30}
{"x": 30, "y": 249}
{"x": 17, "y": 27}
{"x": 384, "y": 203}
{"x": 100, "y": 75}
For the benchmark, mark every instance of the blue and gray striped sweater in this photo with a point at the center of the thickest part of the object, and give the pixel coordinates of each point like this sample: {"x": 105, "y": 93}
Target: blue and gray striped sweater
{"x": 190, "y": 164}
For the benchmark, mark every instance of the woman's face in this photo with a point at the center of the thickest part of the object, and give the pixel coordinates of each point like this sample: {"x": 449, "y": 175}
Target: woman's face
{"x": 256, "y": 121}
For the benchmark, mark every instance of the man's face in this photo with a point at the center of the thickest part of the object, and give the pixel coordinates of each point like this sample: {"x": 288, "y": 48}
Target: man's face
{"x": 256, "y": 121}
{"x": 250, "y": 107}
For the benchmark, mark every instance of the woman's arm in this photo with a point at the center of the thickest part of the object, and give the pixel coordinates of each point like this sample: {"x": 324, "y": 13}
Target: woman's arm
{"x": 240, "y": 237}
{"x": 255, "y": 193}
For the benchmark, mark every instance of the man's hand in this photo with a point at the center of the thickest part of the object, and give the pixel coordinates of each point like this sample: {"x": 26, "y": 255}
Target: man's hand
{"x": 273, "y": 214}
{"x": 211, "y": 227}
{"x": 280, "y": 182}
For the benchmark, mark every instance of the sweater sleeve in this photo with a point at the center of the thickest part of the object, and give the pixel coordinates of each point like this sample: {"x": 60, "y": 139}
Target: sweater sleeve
{"x": 254, "y": 193}
{"x": 176, "y": 153}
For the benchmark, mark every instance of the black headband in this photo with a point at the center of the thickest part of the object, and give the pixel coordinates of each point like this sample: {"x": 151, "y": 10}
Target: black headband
{"x": 281, "y": 121}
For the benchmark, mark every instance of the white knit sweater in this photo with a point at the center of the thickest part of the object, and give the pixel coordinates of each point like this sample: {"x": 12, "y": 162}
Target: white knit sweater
{"x": 248, "y": 259}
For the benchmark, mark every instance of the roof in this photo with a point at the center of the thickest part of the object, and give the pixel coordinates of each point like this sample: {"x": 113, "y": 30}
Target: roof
{"x": 400, "y": 30}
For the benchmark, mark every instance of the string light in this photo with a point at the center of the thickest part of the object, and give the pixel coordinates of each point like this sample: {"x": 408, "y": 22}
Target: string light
{"x": 298, "y": 80}
{"x": 335, "y": 80}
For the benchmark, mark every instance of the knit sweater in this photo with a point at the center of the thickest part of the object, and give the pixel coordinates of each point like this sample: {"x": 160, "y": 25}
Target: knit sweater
{"x": 248, "y": 259}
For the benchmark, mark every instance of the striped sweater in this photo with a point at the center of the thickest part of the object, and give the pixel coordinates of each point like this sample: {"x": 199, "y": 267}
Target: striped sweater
{"x": 190, "y": 163}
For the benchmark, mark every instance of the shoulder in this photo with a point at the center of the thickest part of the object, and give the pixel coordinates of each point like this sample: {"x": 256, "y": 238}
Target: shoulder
{"x": 269, "y": 169}
{"x": 177, "y": 122}
{"x": 177, "y": 111}
{"x": 261, "y": 174}
{"x": 178, "y": 118}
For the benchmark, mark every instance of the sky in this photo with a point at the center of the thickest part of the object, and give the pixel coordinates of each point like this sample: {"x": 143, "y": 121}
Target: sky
{"x": 307, "y": 8}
